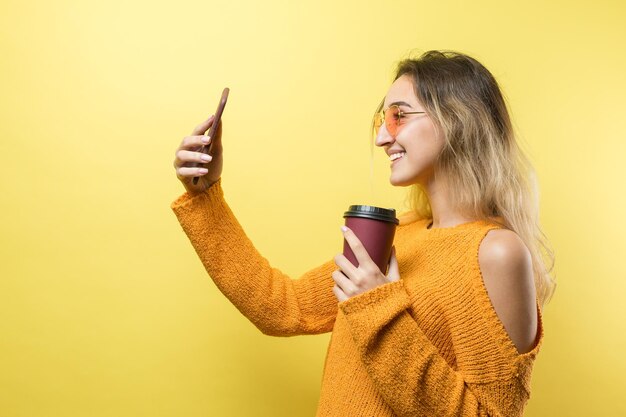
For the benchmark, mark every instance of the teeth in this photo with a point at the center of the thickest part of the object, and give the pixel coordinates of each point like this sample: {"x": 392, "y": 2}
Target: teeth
{"x": 395, "y": 156}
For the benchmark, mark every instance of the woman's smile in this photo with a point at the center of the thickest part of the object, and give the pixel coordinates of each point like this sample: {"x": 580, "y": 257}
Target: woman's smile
{"x": 397, "y": 158}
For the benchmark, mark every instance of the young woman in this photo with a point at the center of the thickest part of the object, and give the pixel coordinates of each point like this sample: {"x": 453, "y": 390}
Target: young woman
{"x": 455, "y": 324}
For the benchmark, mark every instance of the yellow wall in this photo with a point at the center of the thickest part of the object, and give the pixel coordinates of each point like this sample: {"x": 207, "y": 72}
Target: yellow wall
{"x": 104, "y": 308}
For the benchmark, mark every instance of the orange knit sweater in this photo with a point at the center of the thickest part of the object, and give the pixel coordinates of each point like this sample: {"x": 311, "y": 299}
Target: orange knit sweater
{"x": 430, "y": 344}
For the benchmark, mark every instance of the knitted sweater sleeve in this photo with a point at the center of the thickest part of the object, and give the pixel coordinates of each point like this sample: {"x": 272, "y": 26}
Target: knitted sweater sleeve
{"x": 276, "y": 304}
{"x": 411, "y": 375}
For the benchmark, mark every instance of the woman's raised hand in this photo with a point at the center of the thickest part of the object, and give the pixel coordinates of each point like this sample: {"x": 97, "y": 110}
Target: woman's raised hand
{"x": 189, "y": 163}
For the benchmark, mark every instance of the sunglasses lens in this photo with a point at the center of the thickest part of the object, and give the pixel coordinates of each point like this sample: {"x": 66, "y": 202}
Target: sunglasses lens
{"x": 391, "y": 120}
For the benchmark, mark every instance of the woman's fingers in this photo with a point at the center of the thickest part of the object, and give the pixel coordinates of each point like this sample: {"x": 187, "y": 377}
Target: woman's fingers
{"x": 203, "y": 127}
{"x": 186, "y": 153}
{"x": 186, "y": 158}
{"x": 341, "y": 296}
{"x": 191, "y": 172}
{"x": 183, "y": 157}
{"x": 344, "y": 283}
{"x": 359, "y": 251}
{"x": 194, "y": 142}
{"x": 192, "y": 160}
{"x": 347, "y": 267}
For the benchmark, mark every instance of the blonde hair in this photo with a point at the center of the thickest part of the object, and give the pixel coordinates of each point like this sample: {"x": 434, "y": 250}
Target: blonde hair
{"x": 481, "y": 161}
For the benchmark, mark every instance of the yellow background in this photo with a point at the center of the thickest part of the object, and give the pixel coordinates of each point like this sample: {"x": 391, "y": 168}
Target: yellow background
{"x": 105, "y": 310}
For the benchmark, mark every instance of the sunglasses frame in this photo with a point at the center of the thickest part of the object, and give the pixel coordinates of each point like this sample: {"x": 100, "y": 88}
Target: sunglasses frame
{"x": 383, "y": 119}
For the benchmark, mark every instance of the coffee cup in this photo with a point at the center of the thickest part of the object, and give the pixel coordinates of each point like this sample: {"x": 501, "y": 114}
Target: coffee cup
{"x": 375, "y": 227}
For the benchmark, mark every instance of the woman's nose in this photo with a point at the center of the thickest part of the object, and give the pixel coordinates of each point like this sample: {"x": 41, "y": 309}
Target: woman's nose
{"x": 383, "y": 136}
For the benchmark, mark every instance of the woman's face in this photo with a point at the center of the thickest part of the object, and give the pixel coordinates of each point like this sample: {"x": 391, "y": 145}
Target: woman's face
{"x": 416, "y": 136}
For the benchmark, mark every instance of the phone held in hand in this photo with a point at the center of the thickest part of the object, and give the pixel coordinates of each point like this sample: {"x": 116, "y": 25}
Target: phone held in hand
{"x": 218, "y": 115}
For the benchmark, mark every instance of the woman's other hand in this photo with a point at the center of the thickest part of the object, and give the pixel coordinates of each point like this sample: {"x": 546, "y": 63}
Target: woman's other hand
{"x": 351, "y": 281}
{"x": 188, "y": 156}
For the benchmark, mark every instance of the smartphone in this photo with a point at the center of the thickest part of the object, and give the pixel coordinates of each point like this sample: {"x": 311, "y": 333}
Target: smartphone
{"x": 216, "y": 121}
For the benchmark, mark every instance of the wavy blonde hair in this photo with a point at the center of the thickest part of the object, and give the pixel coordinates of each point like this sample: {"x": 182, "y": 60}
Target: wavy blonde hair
{"x": 491, "y": 176}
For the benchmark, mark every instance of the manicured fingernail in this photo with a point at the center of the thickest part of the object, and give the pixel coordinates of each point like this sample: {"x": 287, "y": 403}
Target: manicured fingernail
{"x": 344, "y": 229}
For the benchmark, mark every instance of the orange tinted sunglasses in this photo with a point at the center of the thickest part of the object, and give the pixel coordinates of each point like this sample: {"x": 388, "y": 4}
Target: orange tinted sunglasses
{"x": 392, "y": 118}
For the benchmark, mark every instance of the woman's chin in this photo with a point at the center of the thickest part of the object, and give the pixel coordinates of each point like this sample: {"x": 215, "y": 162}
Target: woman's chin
{"x": 398, "y": 181}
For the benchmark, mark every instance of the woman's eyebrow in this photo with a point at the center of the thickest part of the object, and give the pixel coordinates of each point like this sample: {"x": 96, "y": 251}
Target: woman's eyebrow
{"x": 401, "y": 102}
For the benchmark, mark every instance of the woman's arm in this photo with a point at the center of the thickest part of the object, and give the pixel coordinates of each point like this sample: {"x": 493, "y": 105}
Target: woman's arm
{"x": 276, "y": 304}
{"x": 408, "y": 370}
